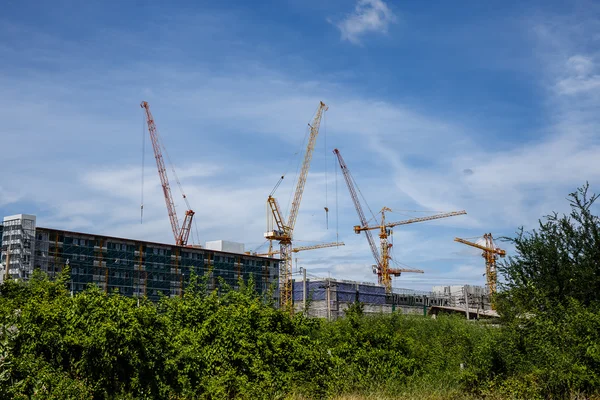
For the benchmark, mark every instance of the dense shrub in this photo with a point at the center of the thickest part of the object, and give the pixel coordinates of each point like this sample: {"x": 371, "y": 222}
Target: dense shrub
{"x": 236, "y": 345}
{"x": 204, "y": 345}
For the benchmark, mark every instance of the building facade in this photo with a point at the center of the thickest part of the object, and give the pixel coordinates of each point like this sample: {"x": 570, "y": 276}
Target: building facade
{"x": 18, "y": 246}
{"x": 131, "y": 267}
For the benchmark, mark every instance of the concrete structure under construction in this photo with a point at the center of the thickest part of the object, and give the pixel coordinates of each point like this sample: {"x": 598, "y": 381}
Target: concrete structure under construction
{"x": 476, "y": 297}
{"x": 329, "y": 298}
{"x": 133, "y": 267}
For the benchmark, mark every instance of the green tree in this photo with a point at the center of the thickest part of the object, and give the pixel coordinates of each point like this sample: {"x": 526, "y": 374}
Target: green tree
{"x": 555, "y": 263}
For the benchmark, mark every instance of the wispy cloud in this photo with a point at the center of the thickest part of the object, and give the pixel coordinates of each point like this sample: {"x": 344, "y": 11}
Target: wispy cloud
{"x": 7, "y": 197}
{"x": 369, "y": 16}
{"x": 232, "y": 127}
{"x": 580, "y": 76}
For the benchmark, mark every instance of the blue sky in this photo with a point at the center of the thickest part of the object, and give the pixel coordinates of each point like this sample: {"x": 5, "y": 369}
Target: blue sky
{"x": 434, "y": 106}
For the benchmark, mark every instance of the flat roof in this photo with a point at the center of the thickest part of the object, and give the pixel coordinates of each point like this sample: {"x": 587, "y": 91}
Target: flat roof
{"x": 157, "y": 243}
{"x": 19, "y": 216}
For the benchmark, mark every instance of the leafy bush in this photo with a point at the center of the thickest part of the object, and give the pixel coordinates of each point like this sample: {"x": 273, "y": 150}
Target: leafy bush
{"x": 205, "y": 345}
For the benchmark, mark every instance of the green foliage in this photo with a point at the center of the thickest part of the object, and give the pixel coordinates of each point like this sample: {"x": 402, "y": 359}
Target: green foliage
{"x": 550, "y": 355}
{"x": 226, "y": 343}
{"x": 549, "y": 342}
{"x": 212, "y": 345}
{"x": 557, "y": 262}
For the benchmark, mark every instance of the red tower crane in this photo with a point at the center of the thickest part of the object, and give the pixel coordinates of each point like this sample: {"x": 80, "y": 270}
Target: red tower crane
{"x": 182, "y": 233}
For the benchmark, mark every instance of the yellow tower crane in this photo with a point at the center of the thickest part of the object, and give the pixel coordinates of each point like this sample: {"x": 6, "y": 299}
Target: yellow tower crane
{"x": 282, "y": 231}
{"x": 382, "y": 260}
{"x": 490, "y": 254}
{"x": 383, "y": 270}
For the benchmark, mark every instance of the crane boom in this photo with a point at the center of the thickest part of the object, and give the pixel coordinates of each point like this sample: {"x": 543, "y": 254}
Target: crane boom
{"x": 498, "y": 251}
{"x": 285, "y": 231}
{"x": 181, "y": 234}
{"x": 358, "y": 229}
{"x": 398, "y": 271}
{"x": 314, "y": 132}
{"x": 303, "y": 248}
{"x": 361, "y": 215}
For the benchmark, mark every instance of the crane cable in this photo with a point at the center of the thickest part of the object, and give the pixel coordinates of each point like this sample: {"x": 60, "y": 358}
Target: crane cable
{"x": 143, "y": 166}
{"x": 197, "y": 234}
{"x": 300, "y": 161}
{"x": 173, "y": 170}
{"x": 326, "y": 167}
{"x": 363, "y": 197}
{"x": 337, "y": 208}
{"x": 277, "y": 185}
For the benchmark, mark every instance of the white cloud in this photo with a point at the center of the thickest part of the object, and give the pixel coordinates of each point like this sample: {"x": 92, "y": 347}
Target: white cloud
{"x": 232, "y": 133}
{"x": 580, "y": 76}
{"x": 369, "y": 16}
{"x": 7, "y": 197}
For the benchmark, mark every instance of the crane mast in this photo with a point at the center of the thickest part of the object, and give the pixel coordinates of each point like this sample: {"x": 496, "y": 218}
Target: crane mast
{"x": 285, "y": 230}
{"x": 181, "y": 234}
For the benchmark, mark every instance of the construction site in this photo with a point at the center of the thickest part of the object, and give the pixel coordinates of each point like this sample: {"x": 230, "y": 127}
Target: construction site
{"x": 148, "y": 269}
